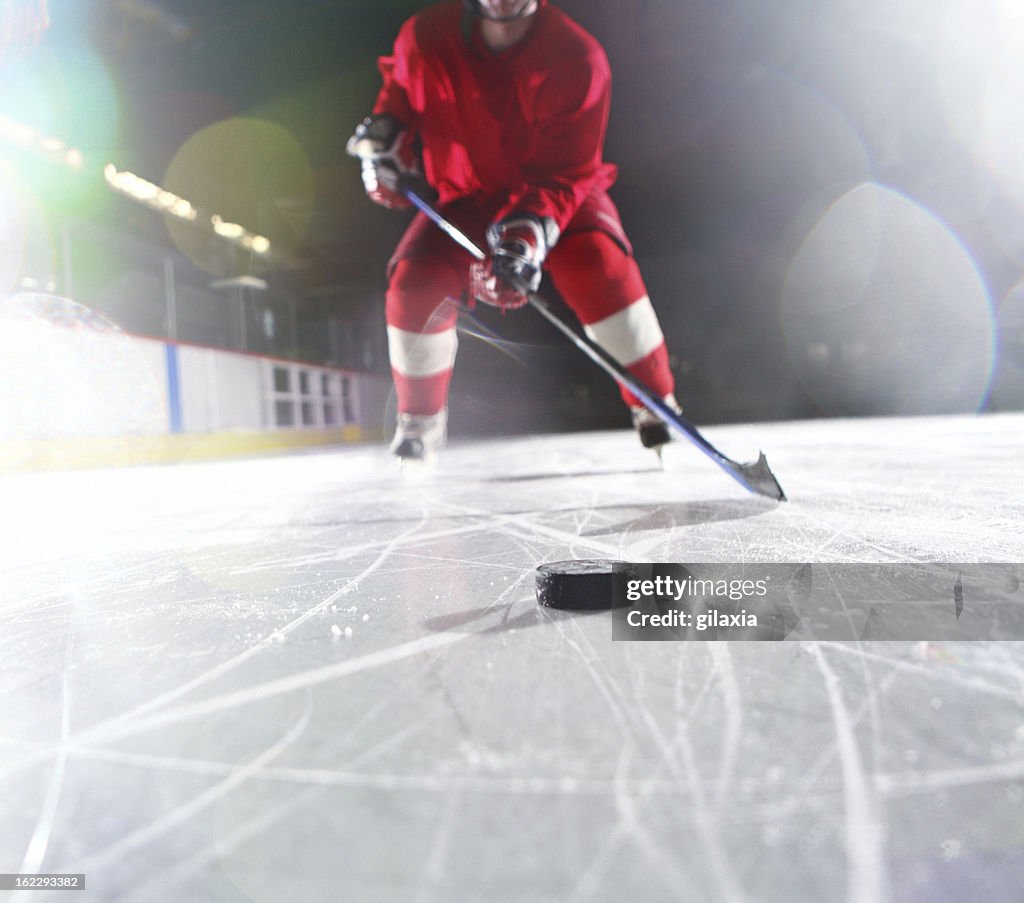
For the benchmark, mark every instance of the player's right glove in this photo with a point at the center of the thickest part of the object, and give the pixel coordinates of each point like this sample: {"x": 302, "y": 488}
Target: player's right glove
{"x": 519, "y": 244}
{"x": 386, "y": 149}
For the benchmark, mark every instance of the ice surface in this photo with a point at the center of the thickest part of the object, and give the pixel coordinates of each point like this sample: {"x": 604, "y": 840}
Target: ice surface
{"x": 304, "y": 679}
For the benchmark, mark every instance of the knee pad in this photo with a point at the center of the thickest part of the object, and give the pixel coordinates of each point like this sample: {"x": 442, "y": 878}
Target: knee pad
{"x": 418, "y": 294}
{"x": 595, "y": 276}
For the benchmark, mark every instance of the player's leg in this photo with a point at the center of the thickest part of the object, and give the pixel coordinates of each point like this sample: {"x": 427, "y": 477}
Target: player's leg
{"x": 601, "y": 282}
{"x": 422, "y": 343}
{"x": 427, "y": 276}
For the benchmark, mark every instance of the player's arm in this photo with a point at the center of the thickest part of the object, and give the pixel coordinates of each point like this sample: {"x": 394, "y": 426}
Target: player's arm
{"x": 562, "y": 168}
{"x": 385, "y": 142}
{"x": 565, "y": 159}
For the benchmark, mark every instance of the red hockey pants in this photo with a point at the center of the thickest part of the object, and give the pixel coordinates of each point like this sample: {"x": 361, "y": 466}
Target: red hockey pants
{"x": 591, "y": 267}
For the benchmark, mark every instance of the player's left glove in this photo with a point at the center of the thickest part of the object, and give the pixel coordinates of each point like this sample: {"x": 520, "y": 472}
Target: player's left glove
{"x": 519, "y": 245}
{"x": 387, "y": 151}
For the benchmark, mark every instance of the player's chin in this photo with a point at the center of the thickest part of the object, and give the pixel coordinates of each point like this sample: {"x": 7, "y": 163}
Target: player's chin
{"x": 507, "y": 9}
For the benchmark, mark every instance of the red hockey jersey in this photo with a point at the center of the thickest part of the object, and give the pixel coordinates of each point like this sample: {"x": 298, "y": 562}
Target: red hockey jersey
{"x": 528, "y": 123}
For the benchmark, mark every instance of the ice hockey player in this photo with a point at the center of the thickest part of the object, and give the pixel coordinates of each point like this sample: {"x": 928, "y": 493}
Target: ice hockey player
{"x": 502, "y": 105}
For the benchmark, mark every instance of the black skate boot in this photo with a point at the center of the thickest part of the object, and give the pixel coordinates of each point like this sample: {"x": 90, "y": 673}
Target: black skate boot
{"x": 649, "y": 426}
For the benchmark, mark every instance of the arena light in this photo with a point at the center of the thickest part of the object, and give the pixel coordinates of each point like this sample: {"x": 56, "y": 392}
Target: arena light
{"x": 29, "y": 139}
{"x": 145, "y": 192}
{"x": 231, "y": 231}
{"x": 241, "y": 236}
{"x": 128, "y": 183}
{"x": 164, "y": 201}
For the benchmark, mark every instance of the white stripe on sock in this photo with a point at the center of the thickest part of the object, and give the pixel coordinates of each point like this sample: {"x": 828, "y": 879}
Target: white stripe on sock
{"x": 418, "y": 355}
{"x": 629, "y": 335}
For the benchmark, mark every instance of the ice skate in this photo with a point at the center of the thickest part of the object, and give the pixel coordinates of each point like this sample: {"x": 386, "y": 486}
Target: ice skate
{"x": 419, "y": 437}
{"x": 651, "y": 429}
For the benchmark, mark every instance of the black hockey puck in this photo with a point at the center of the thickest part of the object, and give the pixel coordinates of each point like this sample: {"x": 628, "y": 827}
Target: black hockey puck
{"x": 587, "y": 585}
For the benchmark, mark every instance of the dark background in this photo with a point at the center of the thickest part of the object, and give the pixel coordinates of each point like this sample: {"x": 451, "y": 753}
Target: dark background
{"x": 822, "y": 195}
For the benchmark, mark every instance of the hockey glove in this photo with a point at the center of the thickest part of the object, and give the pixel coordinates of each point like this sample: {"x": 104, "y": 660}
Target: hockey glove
{"x": 386, "y": 149}
{"x": 519, "y": 244}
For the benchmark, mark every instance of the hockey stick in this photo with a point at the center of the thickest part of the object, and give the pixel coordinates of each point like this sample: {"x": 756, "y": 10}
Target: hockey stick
{"x": 756, "y": 476}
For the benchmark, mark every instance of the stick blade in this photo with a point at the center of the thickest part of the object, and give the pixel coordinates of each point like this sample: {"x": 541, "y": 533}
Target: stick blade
{"x": 758, "y": 477}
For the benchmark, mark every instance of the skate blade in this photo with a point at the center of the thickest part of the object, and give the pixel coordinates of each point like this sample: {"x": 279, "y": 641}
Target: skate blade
{"x": 669, "y": 456}
{"x": 417, "y": 470}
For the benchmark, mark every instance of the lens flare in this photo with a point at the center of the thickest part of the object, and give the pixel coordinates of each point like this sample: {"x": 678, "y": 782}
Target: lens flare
{"x": 1011, "y": 327}
{"x": 66, "y": 91}
{"x": 68, "y": 372}
{"x": 525, "y": 354}
{"x": 1002, "y": 129}
{"x": 979, "y": 69}
{"x": 787, "y": 138}
{"x": 26, "y": 246}
{"x": 885, "y": 312}
{"x": 247, "y": 172}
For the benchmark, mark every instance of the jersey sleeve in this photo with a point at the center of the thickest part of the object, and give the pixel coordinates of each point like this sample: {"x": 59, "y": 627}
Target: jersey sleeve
{"x": 564, "y": 162}
{"x": 396, "y": 76}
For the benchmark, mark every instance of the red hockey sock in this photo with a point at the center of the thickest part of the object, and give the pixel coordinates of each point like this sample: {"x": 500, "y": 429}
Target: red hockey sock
{"x": 603, "y": 286}
{"x": 421, "y": 332}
